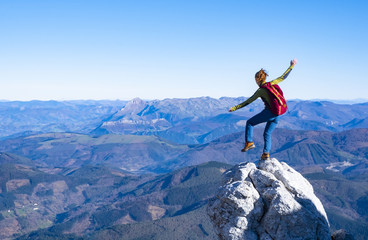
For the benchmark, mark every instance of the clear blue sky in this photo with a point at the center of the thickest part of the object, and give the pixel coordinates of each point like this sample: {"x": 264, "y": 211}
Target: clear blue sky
{"x": 154, "y": 49}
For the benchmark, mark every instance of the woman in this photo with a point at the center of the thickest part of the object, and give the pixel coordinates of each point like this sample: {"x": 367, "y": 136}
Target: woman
{"x": 266, "y": 115}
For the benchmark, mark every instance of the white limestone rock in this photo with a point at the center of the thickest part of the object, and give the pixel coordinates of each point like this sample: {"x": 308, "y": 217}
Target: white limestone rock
{"x": 270, "y": 201}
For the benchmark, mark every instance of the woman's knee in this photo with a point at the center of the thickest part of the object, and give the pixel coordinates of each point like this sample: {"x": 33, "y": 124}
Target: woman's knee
{"x": 249, "y": 123}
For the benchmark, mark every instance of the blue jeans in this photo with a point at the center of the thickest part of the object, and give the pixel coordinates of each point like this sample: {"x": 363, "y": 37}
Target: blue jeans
{"x": 264, "y": 116}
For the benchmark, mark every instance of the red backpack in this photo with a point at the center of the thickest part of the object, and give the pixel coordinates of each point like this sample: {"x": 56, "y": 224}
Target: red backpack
{"x": 277, "y": 100}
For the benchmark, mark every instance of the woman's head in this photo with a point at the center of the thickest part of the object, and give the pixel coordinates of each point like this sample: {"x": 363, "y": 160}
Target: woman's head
{"x": 261, "y": 77}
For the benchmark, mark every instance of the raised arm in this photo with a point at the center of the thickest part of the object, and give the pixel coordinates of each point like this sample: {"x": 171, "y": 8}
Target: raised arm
{"x": 286, "y": 73}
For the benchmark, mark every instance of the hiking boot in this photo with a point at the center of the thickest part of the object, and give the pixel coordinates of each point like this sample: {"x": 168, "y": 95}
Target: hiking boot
{"x": 265, "y": 156}
{"x": 248, "y": 146}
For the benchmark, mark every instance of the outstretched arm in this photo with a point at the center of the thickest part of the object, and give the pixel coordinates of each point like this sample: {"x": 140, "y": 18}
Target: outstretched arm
{"x": 248, "y": 101}
{"x": 286, "y": 73}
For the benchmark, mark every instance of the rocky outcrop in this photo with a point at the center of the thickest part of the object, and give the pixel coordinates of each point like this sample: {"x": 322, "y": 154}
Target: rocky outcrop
{"x": 267, "y": 201}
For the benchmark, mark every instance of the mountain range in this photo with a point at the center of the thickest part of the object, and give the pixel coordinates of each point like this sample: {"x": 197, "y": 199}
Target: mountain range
{"x": 23, "y": 118}
{"x": 146, "y": 169}
{"x": 184, "y": 121}
{"x": 201, "y": 120}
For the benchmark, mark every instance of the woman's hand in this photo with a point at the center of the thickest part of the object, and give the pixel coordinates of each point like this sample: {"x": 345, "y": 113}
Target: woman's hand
{"x": 293, "y": 62}
{"x": 232, "y": 109}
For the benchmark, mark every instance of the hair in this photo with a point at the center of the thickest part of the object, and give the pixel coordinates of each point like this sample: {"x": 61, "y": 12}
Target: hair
{"x": 261, "y": 76}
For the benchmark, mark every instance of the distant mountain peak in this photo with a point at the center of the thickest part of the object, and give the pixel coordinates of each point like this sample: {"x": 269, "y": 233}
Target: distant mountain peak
{"x": 268, "y": 201}
{"x": 132, "y": 108}
{"x": 136, "y": 100}
{"x": 135, "y": 103}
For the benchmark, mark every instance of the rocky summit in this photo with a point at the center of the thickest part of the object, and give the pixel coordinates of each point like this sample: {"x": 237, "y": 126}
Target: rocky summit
{"x": 267, "y": 200}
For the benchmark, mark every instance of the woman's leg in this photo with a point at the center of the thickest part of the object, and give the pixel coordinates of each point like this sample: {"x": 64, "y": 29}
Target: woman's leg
{"x": 261, "y": 117}
{"x": 270, "y": 126}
